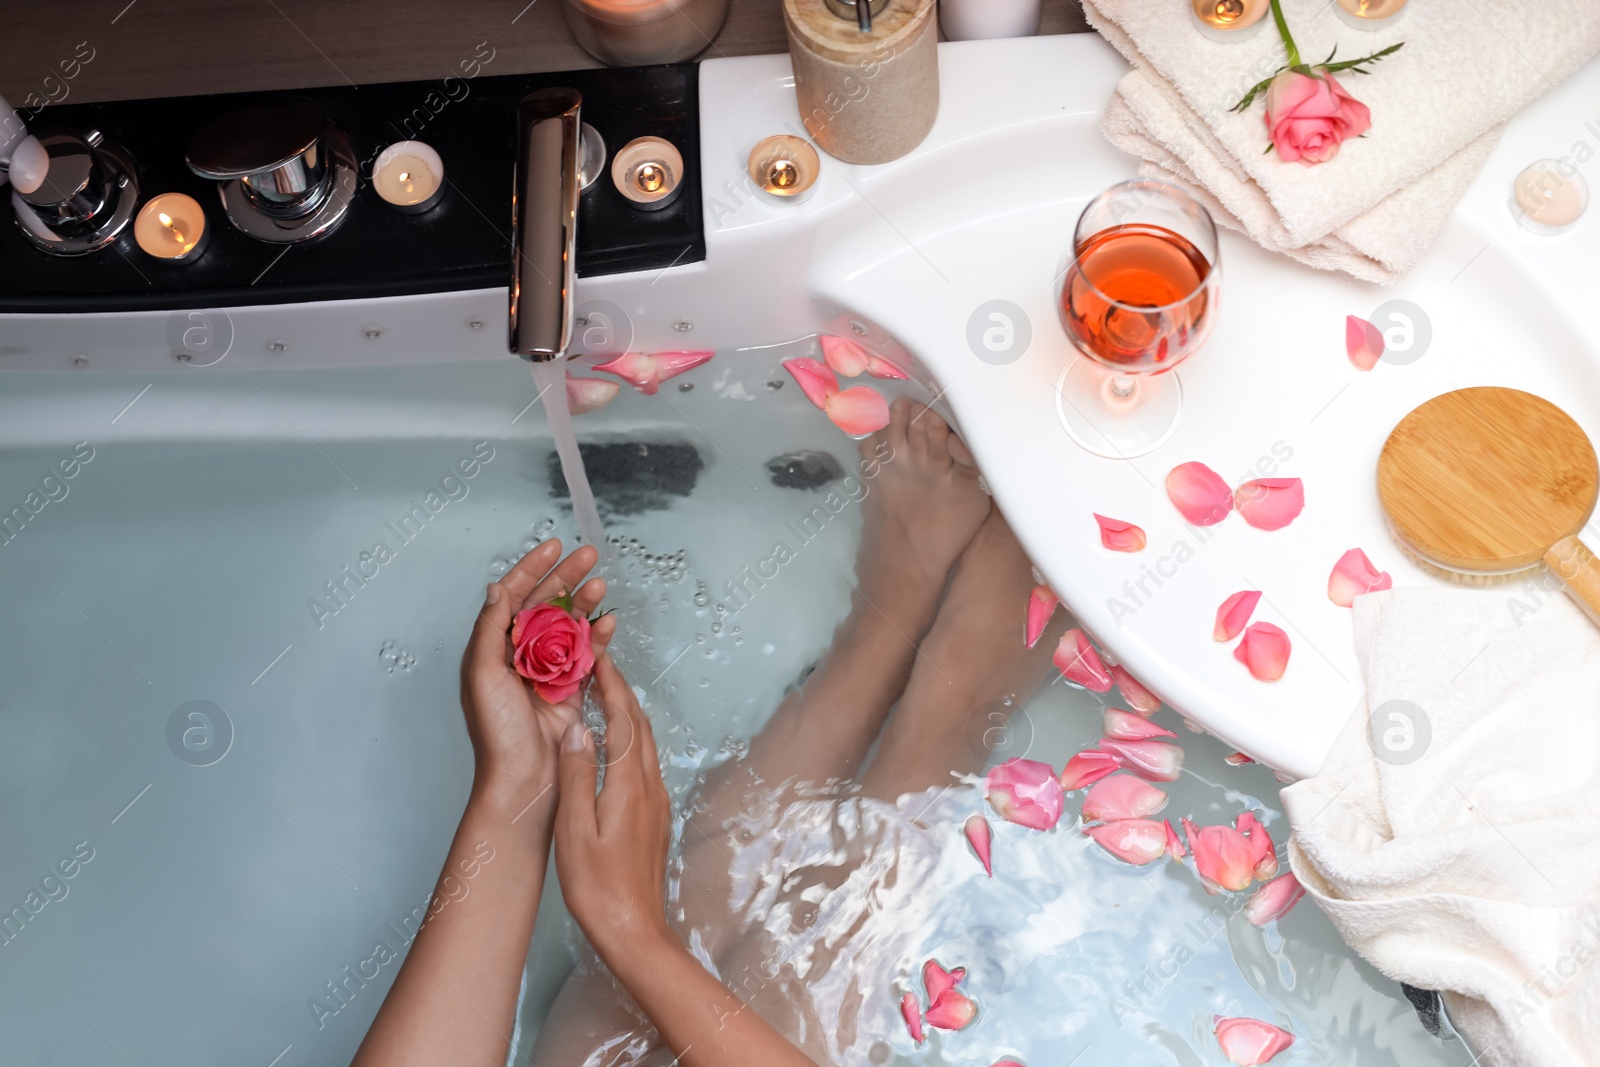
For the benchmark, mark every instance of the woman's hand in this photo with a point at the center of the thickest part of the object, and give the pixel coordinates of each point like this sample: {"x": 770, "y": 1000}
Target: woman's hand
{"x": 611, "y": 848}
{"x": 514, "y": 732}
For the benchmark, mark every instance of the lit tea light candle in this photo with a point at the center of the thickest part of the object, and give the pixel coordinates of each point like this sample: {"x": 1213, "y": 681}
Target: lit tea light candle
{"x": 648, "y": 171}
{"x": 1546, "y": 201}
{"x": 409, "y": 176}
{"x": 1229, "y": 20}
{"x": 172, "y": 227}
{"x": 784, "y": 168}
{"x": 1370, "y": 14}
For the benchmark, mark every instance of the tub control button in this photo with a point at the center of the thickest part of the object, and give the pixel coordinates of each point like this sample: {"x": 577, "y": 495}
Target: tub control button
{"x": 286, "y": 174}
{"x": 85, "y": 198}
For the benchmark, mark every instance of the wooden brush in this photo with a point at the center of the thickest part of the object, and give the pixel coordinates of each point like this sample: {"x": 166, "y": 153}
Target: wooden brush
{"x": 1481, "y": 485}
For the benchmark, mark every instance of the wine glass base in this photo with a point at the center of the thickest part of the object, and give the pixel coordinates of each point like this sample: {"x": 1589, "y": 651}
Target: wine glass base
{"x": 1117, "y": 427}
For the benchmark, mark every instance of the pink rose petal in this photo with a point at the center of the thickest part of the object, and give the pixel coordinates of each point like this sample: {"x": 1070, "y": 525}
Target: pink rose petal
{"x": 1135, "y": 841}
{"x": 1199, "y": 493}
{"x": 911, "y": 1011}
{"x": 1157, "y": 761}
{"x": 1234, "y": 613}
{"x": 1250, "y": 1042}
{"x": 1263, "y": 856}
{"x": 1122, "y": 796}
{"x": 1078, "y": 662}
{"x": 1223, "y": 856}
{"x": 815, "y": 379}
{"x": 1236, "y": 759}
{"x": 1353, "y": 576}
{"x": 1087, "y": 767}
{"x": 1363, "y": 342}
{"x": 858, "y": 411}
{"x": 1134, "y": 693}
{"x": 1125, "y": 726}
{"x": 589, "y": 394}
{"x": 980, "y": 837}
{"x": 646, "y": 371}
{"x": 953, "y": 1010}
{"x": 1041, "y": 605}
{"x": 1175, "y": 847}
{"x": 848, "y": 359}
{"x": 1025, "y": 792}
{"x": 936, "y": 980}
{"x": 1264, "y": 650}
{"x": 1270, "y": 503}
{"x": 1120, "y": 536}
{"x": 879, "y": 367}
{"x": 1273, "y": 900}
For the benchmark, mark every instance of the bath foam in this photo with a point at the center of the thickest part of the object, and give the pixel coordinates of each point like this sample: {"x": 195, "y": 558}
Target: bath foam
{"x": 631, "y": 477}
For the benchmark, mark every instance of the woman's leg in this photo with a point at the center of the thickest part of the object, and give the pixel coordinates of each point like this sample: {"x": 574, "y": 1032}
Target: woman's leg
{"x": 922, "y": 504}
{"x": 972, "y": 661}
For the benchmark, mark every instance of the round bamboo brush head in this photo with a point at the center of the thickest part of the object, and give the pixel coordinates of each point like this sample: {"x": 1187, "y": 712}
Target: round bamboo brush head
{"x": 1481, "y": 484}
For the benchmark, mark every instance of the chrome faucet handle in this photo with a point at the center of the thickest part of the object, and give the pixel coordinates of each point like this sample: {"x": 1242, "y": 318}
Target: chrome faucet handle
{"x": 84, "y": 197}
{"x": 286, "y": 174}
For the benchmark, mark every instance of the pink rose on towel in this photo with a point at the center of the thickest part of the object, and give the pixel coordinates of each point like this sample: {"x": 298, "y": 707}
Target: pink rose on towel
{"x": 551, "y": 649}
{"x": 1310, "y": 115}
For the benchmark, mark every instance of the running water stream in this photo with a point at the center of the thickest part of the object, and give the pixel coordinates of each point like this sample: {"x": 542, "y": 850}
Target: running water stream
{"x": 551, "y": 377}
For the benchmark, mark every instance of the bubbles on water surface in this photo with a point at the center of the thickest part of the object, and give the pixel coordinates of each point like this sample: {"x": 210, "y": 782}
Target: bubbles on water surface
{"x": 391, "y": 656}
{"x": 498, "y": 567}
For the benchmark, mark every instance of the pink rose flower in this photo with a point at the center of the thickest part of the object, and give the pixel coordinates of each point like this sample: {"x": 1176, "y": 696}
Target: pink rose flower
{"x": 551, "y": 650}
{"x": 1308, "y": 117}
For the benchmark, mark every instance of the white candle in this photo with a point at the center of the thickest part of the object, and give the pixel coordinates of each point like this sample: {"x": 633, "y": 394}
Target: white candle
{"x": 171, "y": 226}
{"x": 409, "y": 176}
{"x": 648, "y": 171}
{"x": 784, "y": 168}
{"x": 1546, "y": 201}
{"x": 1229, "y": 20}
{"x": 1370, "y": 14}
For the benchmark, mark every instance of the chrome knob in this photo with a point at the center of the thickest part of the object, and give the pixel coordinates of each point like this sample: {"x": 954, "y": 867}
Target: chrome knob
{"x": 85, "y": 199}
{"x": 286, "y": 175}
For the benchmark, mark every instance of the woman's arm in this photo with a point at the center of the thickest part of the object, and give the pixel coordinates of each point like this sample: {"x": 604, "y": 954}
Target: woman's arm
{"x": 455, "y": 998}
{"x": 611, "y": 855}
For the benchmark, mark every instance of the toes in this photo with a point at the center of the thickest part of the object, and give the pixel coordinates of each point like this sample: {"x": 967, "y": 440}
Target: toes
{"x": 938, "y": 432}
{"x": 899, "y": 421}
{"x": 960, "y": 453}
{"x": 927, "y": 433}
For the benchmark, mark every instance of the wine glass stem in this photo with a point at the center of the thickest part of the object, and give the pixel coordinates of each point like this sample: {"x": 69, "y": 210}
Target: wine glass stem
{"x": 1123, "y": 386}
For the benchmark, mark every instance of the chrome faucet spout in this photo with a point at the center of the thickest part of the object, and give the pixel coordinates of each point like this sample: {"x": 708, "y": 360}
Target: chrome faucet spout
{"x": 544, "y": 223}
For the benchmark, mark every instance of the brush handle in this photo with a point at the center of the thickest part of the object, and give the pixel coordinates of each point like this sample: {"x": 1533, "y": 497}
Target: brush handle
{"x": 1572, "y": 561}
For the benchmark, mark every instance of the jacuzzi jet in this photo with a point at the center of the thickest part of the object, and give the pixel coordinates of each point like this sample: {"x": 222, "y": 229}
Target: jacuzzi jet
{"x": 630, "y": 477}
{"x": 807, "y": 469}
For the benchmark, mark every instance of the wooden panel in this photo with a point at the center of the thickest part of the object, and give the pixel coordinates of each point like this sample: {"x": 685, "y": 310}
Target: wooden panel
{"x": 154, "y": 48}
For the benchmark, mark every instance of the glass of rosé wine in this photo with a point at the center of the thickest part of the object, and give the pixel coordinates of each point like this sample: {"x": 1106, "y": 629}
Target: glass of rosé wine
{"x": 1138, "y": 297}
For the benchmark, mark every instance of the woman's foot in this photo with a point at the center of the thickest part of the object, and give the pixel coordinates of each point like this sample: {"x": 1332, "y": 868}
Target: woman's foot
{"x": 972, "y": 661}
{"x": 923, "y": 504}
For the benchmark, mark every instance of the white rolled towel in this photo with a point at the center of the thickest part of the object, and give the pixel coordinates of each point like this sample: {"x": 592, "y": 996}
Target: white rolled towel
{"x": 1437, "y": 108}
{"x": 1465, "y": 858}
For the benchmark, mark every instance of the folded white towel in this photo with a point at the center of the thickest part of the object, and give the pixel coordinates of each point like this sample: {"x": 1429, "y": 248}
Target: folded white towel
{"x": 1465, "y": 859}
{"x": 1437, "y": 108}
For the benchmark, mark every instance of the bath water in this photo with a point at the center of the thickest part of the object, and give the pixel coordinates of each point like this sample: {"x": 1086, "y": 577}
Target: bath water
{"x": 231, "y": 648}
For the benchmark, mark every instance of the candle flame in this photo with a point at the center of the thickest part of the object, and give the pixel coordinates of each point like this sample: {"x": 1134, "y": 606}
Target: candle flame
{"x": 405, "y": 181}
{"x": 177, "y": 234}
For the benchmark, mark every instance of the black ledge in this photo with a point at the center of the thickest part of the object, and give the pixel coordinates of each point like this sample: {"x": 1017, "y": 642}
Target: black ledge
{"x": 463, "y": 243}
